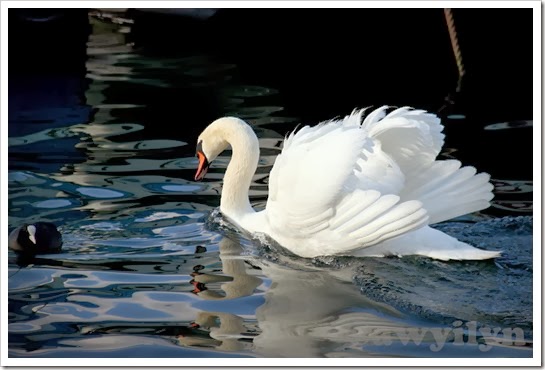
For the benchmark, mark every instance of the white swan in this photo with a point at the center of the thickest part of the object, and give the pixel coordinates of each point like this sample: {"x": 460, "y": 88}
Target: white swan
{"x": 347, "y": 187}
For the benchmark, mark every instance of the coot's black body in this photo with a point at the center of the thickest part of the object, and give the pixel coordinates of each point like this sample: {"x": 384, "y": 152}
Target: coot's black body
{"x": 36, "y": 238}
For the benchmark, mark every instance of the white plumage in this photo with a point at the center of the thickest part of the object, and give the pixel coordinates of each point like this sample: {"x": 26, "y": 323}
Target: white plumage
{"x": 352, "y": 186}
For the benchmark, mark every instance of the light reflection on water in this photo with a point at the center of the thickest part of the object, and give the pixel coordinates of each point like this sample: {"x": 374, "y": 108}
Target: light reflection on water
{"x": 145, "y": 271}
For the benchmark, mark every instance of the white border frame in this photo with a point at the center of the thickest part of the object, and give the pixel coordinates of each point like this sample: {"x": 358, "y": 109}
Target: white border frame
{"x": 337, "y": 362}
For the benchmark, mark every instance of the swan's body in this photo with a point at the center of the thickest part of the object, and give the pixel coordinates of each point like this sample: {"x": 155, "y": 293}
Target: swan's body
{"x": 347, "y": 187}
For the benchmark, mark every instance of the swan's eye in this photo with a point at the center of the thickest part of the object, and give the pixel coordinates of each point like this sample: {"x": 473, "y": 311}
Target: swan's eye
{"x": 199, "y": 148}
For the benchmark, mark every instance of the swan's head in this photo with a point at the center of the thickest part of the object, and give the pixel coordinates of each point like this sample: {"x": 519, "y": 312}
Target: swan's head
{"x": 214, "y": 140}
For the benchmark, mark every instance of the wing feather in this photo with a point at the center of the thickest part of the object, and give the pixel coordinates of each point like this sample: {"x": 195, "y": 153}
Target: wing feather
{"x": 351, "y": 207}
{"x": 448, "y": 190}
{"x": 369, "y": 213}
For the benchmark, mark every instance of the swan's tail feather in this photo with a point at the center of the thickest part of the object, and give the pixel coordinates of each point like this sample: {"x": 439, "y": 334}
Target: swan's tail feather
{"x": 448, "y": 191}
{"x": 427, "y": 242}
{"x": 463, "y": 253}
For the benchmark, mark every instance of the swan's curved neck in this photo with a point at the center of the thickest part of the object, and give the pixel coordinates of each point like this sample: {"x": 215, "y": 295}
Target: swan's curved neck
{"x": 235, "y": 201}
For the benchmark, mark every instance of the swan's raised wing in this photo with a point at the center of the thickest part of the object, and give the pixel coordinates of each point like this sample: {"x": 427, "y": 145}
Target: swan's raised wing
{"x": 332, "y": 190}
{"x": 413, "y": 139}
{"x": 310, "y": 173}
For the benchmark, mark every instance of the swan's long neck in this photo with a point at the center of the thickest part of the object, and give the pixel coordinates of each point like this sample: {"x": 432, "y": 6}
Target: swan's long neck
{"x": 235, "y": 201}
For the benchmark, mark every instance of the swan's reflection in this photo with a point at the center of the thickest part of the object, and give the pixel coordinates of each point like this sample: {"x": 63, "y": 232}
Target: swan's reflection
{"x": 237, "y": 281}
{"x": 308, "y": 312}
{"x": 226, "y": 331}
{"x": 311, "y": 313}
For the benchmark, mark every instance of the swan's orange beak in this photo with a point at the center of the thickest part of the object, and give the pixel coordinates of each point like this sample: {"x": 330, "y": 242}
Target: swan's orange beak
{"x": 203, "y": 166}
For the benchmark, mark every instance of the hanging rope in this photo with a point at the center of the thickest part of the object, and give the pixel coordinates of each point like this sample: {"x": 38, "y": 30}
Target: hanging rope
{"x": 455, "y": 46}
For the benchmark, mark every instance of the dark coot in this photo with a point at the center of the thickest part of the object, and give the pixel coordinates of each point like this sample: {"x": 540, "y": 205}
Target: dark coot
{"x": 36, "y": 238}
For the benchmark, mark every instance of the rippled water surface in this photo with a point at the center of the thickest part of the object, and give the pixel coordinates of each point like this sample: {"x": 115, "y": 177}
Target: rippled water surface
{"x": 150, "y": 269}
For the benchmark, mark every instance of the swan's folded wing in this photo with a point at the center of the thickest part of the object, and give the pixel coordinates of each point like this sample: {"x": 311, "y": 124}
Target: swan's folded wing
{"x": 360, "y": 219}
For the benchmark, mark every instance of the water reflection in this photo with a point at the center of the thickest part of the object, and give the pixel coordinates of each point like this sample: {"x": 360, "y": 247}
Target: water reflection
{"x": 244, "y": 297}
{"x": 236, "y": 280}
{"x": 315, "y": 312}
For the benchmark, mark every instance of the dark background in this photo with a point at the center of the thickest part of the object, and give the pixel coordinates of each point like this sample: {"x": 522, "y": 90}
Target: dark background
{"x": 324, "y": 62}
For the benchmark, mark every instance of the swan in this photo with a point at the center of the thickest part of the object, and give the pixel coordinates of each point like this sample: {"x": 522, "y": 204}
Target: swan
{"x": 356, "y": 186}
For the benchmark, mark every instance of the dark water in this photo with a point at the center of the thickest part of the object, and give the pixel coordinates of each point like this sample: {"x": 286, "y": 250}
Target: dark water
{"x": 149, "y": 269}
